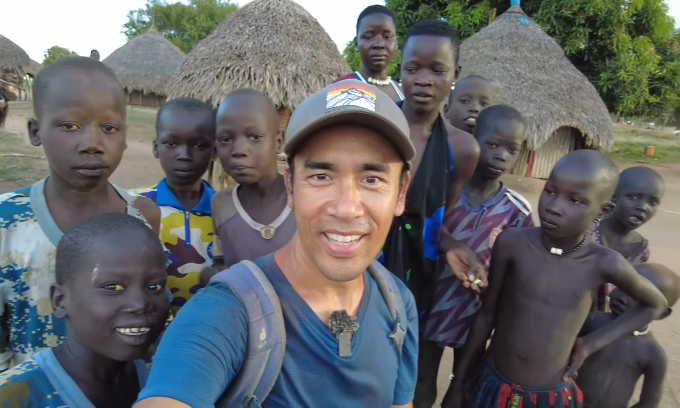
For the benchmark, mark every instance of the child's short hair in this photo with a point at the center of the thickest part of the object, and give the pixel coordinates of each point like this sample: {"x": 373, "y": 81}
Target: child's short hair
{"x": 461, "y": 81}
{"x": 271, "y": 107}
{"x": 65, "y": 66}
{"x": 490, "y": 115}
{"x": 77, "y": 245}
{"x": 436, "y": 28}
{"x": 375, "y": 9}
{"x": 187, "y": 104}
{"x": 636, "y": 173}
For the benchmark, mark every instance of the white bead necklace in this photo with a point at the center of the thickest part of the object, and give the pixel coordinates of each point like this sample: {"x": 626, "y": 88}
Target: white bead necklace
{"x": 380, "y": 82}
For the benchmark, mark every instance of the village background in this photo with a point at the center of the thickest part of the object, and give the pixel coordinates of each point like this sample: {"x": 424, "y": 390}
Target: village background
{"x": 598, "y": 74}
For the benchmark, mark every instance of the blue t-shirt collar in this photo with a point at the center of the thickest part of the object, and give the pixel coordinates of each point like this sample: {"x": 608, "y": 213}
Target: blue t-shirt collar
{"x": 165, "y": 197}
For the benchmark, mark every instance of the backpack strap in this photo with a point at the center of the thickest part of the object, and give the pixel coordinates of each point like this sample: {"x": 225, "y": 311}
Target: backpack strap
{"x": 395, "y": 302}
{"x": 266, "y": 336}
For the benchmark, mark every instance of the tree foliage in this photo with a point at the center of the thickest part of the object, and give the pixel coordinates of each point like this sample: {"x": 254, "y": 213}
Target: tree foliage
{"x": 351, "y": 54}
{"x": 182, "y": 24}
{"x": 56, "y": 53}
{"x": 625, "y": 47}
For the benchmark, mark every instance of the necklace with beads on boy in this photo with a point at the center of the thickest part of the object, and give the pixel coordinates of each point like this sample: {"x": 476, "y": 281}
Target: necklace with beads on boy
{"x": 558, "y": 251}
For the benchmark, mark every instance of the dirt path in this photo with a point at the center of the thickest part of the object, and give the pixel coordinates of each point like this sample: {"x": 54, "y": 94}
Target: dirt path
{"x": 140, "y": 168}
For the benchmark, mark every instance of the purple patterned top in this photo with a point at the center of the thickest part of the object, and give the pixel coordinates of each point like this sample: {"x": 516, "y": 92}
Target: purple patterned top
{"x": 640, "y": 256}
{"x": 455, "y": 307}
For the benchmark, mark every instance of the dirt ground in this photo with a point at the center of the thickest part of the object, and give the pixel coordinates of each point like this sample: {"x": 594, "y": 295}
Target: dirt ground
{"x": 140, "y": 168}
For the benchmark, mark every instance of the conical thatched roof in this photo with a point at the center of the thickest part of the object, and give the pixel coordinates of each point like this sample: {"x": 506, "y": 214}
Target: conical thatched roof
{"x": 146, "y": 63}
{"x": 12, "y": 61}
{"x": 529, "y": 71}
{"x": 274, "y": 46}
{"x": 33, "y": 67}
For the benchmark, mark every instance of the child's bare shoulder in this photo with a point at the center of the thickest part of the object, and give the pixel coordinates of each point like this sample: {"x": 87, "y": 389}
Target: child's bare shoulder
{"x": 466, "y": 147}
{"x": 608, "y": 260}
{"x": 150, "y": 211}
{"x": 511, "y": 238}
{"x": 223, "y": 206}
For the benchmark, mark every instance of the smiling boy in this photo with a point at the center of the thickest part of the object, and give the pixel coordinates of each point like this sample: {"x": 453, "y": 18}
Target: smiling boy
{"x": 471, "y": 95}
{"x": 110, "y": 291}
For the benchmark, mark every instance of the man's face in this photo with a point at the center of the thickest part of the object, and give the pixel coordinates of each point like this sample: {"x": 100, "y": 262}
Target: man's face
{"x": 347, "y": 188}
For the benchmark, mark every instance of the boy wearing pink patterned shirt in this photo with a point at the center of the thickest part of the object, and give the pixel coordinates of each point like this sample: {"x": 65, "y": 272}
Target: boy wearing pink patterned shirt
{"x": 485, "y": 208}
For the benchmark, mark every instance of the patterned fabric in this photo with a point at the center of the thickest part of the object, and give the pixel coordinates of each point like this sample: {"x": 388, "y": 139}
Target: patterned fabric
{"x": 28, "y": 240}
{"x": 455, "y": 307}
{"x": 605, "y": 290}
{"x": 43, "y": 382}
{"x": 411, "y": 250}
{"x": 492, "y": 390}
{"x": 187, "y": 235}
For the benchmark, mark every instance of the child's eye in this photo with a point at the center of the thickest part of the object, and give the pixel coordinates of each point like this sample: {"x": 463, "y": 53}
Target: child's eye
{"x": 464, "y": 101}
{"x": 485, "y": 105}
{"x": 224, "y": 140}
{"x": 514, "y": 150}
{"x": 69, "y": 127}
{"x": 633, "y": 197}
{"x": 256, "y": 137}
{"x": 170, "y": 144}
{"x": 109, "y": 129}
{"x": 114, "y": 286}
{"x": 576, "y": 201}
{"x": 654, "y": 202}
{"x": 492, "y": 145}
{"x": 438, "y": 71}
{"x": 155, "y": 287}
{"x": 549, "y": 192}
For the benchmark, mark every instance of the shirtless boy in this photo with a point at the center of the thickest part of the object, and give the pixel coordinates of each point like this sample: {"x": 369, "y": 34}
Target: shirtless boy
{"x": 608, "y": 377}
{"x": 542, "y": 283}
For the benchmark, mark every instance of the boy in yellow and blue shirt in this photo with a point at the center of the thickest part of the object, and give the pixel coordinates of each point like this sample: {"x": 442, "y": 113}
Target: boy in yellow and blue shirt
{"x": 184, "y": 145}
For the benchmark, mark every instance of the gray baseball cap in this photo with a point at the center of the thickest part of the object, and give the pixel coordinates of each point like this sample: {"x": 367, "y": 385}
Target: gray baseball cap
{"x": 350, "y": 102}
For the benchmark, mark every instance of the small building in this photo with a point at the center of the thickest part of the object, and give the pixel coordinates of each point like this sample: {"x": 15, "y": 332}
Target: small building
{"x": 144, "y": 66}
{"x": 529, "y": 71}
{"x": 274, "y": 46}
{"x": 13, "y": 60}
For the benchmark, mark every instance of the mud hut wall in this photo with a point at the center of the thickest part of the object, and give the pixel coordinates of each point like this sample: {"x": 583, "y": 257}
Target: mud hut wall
{"x": 522, "y": 163}
{"x": 546, "y": 156}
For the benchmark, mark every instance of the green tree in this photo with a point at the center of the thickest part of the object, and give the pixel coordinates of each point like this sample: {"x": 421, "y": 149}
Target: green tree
{"x": 351, "y": 54}
{"x": 56, "y": 53}
{"x": 622, "y": 46}
{"x": 182, "y": 24}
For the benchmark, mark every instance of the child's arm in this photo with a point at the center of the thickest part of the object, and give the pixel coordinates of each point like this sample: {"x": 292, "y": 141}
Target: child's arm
{"x": 485, "y": 320}
{"x": 150, "y": 211}
{"x": 652, "y": 387}
{"x": 615, "y": 269}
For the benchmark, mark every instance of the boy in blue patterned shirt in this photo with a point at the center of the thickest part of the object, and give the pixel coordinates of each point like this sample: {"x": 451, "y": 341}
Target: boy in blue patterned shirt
{"x": 80, "y": 122}
{"x": 110, "y": 291}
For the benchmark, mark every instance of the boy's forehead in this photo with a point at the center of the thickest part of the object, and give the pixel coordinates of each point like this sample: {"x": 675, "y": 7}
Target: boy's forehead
{"x": 81, "y": 88}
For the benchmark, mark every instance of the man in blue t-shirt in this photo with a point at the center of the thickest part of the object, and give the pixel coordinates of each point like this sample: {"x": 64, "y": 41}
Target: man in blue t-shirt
{"x": 348, "y": 171}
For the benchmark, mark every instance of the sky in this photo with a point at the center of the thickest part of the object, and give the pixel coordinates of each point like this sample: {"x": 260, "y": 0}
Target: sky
{"x": 81, "y": 25}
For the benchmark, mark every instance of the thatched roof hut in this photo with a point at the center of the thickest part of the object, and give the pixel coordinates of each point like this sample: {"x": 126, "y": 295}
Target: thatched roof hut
{"x": 13, "y": 59}
{"x": 529, "y": 71}
{"x": 274, "y": 46}
{"x": 33, "y": 67}
{"x": 144, "y": 66}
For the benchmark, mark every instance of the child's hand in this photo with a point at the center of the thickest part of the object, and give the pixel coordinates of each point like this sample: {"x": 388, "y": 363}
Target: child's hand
{"x": 467, "y": 267}
{"x": 579, "y": 353}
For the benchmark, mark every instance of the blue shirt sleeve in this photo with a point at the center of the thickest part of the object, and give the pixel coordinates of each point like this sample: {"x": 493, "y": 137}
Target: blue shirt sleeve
{"x": 202, "y": 350}
{"x": 408, "y": 369}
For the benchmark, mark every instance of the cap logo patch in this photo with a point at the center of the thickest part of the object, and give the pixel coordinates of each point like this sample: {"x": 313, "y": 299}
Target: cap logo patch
{"x": 350, "y": 95}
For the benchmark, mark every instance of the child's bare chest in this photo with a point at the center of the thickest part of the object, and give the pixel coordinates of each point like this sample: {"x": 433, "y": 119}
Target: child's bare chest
{"x": 554, "y": 281}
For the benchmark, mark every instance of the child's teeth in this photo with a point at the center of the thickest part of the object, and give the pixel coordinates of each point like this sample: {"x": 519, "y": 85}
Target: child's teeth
{"x": 133, "y": 331}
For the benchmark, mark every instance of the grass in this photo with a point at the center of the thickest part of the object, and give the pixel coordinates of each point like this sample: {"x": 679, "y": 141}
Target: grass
{"x": 20, "y": 171}
{"x": 630, "y": 143}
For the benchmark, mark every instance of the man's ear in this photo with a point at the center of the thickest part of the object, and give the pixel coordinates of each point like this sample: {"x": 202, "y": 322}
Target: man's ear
{"x": 155, "y": 148}
{"x": 33, "y": 132}
{"x": 403, "y": 189}
{"x": 289, "y": 185}
{"x": 58, "y": 297}
{"x": 606, "y": 211}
